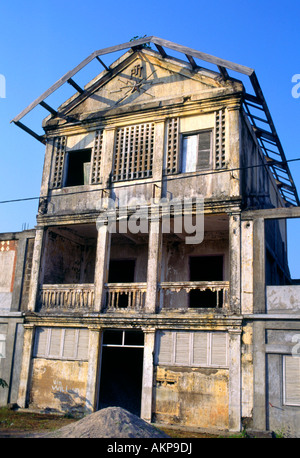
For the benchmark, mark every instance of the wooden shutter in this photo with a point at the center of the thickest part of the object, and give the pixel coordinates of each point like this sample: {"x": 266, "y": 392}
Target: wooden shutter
{"x": 204, "y": 150}
{"x": 55, "y": 342}
{"x": 41, "y": 340}
{"x": 218, "y": 349}
{"x": 134, "y": 152}
{"x": 69, "y": 347}
{"x": 165, "y": 348}
{"x": 182, "y": 349}
{"x": 292, "y": 380}
{"x": 83, "y": 344}
{"x": 200, "y": 349}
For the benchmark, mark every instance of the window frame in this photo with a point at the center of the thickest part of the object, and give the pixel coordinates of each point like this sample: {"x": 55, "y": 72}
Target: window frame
{"x": 184, "y": 135}
{"x": 67, "y": 165}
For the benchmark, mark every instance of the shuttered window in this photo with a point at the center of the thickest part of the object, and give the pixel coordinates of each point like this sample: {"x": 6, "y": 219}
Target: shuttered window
{"x": 134, "y": 152}
{"x": 194, "y": 349}
{"x": 291, "y": 377}
{"x": 61, "y": 343}
{"x": 196, "y": 151}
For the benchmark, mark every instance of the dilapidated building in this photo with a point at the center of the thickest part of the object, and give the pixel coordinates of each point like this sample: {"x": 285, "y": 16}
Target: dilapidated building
{"x": 148, "y": 277}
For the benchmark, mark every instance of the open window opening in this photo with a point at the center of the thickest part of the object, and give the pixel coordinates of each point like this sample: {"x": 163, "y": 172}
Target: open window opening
{"x": 196, "y": 151}
{"x": 78, "y": 166}
{"x": 206, "y": 269}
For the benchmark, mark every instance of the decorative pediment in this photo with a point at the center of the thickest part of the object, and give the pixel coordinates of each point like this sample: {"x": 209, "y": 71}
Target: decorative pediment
{"x": 143, "y": 77}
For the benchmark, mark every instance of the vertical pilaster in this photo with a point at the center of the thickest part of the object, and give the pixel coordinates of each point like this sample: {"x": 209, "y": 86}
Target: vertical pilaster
{"x": 259, "y": 300}
{"x": 147, "y": 390}
{"x": 247, "y": 267}
{"x": 233, "y": 145}
{"x": 36, "y": 262}
{"x": 235, "y": 402}
{"x": 19, "y": 271}
{"x": 259, "y": 364}
{"x": 102, "y": 265}
{"x": 93, "y": 369}
{"x": 235, "y": 261}
{"x": 25, "y": 368}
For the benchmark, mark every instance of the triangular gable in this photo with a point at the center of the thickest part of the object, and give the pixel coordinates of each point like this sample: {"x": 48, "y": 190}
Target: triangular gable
{"x": 141, "y": 77}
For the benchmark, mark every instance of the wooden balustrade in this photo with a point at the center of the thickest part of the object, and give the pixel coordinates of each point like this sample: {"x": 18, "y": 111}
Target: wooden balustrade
{"x": 70, "y": 297}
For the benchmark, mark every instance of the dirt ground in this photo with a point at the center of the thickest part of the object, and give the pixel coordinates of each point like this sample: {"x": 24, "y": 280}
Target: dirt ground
{"x": 20, "y": 423}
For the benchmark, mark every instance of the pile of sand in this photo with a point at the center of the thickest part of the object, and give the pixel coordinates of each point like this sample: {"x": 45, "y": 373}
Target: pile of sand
{"x": 112, "y": 422}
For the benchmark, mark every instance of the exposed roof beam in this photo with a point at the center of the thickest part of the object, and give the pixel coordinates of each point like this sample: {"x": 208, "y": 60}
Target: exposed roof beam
{"x": 223, "y": 72}
{"x": 161, "y": 51}
{"x": 30, "y": 132}
{"x": 191, "y": 61}
{"x": 75, "y": 86}
{"x": 102, "y": 63}
{"x": 47, "y": 107}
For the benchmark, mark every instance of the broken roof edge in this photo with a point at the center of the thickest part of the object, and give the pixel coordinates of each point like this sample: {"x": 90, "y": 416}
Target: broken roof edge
{"x": 158, "y": 42}
{"x": 190, "y": 54}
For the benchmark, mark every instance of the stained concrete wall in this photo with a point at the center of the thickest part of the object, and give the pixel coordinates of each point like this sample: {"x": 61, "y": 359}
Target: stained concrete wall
{"x": 191, "y": 396}
{"x": 58, "y": 385}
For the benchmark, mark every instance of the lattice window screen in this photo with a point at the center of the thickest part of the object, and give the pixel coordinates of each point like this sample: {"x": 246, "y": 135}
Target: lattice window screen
{"x": 134, "y": 152}
{"x": 59, "y": 151}
{"x": 172, "y": 154}
{"x": 96, "y": 157}
{"x": 220, "y": 140}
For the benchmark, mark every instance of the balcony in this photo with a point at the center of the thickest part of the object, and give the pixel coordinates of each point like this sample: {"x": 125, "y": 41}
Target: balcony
{"x": 126, "y": 297}
{"x": 66, "y": 298}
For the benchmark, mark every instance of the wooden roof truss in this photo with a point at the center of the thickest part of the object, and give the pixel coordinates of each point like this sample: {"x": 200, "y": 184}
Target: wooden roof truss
{"x": 254, "y": 104}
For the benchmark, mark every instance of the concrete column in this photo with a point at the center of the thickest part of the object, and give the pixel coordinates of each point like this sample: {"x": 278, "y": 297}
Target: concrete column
{"x": 147, "y": 390}
{"x": 92, "y": 387}
{"x": 25, "y": 368}
{"x": 102, "y": 265}
{"x": 233, "y": 145}
{"x": 235, "y": 261}
{"x": 259, "y": 287}
{"x": 259, "y": 369}
{"x": 235, "y": 389}
{"x": 154, "y": 265}
{"x": 36, "y": 262}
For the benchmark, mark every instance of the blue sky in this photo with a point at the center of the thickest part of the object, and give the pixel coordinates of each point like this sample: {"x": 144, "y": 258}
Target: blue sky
{"x": 42, "y": 40}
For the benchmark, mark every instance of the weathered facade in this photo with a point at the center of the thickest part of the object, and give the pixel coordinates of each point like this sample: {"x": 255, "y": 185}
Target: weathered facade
{"x": 16, "y": 251}
{"x": 143, "y": 288}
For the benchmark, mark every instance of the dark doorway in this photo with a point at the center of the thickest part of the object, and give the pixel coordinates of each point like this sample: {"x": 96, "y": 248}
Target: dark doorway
{"x": 205, "y": 268}
{"x": 121, "y": 271}
{"x": 122, "y": 370}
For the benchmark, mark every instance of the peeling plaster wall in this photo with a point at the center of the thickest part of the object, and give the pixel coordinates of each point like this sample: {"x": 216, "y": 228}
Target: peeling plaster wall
{"x": 59, "y": 385}
{"x": 192, "y": 397}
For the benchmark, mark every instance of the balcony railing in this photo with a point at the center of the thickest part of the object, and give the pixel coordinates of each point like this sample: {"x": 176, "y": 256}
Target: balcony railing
{"x": 202, "y": 294}
{"x": 67, "y": 297}
{"x": 132, "y": 296}
{"x": 129, "y": 296}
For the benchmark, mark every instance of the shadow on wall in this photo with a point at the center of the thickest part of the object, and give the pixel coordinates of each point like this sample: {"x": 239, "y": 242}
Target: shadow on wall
{"x": 71, "y": 403}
